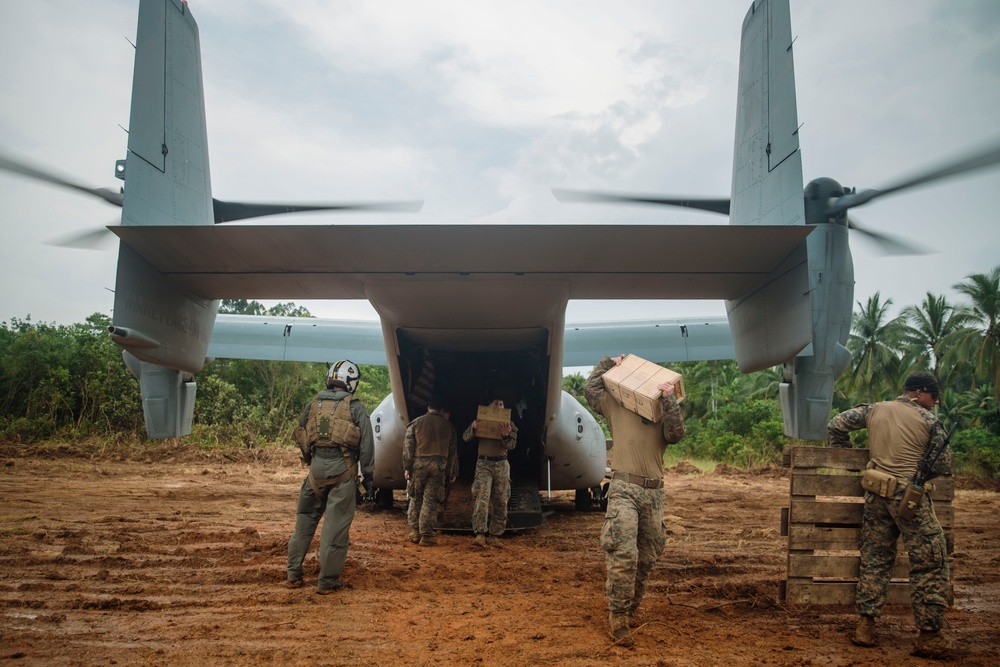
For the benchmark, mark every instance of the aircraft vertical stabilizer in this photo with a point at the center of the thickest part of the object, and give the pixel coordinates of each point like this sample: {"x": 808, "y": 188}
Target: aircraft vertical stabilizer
{"x": 166, "y": 183}
{"x": 772, "y": 323}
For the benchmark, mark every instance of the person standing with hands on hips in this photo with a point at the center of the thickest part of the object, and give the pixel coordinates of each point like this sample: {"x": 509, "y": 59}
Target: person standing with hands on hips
{"x": 633, "y": 536}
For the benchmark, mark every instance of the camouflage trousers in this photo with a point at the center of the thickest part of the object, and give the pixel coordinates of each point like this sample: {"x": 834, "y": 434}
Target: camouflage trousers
{"x": 426, "y": 491}
{"x": 490, "y": 494}
{"x": 925, "y": 545}
{"x": 632, "y": 538}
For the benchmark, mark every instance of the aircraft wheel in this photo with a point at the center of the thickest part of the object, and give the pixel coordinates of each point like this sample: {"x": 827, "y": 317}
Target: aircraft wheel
{"x": 384, "y": 498}
{"x": 583, "y": 499}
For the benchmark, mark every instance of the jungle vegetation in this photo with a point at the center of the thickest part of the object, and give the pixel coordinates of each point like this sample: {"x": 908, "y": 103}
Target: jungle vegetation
{"x": 68, "y": 383}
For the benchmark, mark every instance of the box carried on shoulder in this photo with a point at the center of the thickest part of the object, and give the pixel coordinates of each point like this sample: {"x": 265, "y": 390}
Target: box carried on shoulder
{"x": 634, "y": 385}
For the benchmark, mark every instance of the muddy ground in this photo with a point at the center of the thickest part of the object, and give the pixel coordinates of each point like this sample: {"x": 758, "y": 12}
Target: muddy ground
{"x": 178, "y": 558}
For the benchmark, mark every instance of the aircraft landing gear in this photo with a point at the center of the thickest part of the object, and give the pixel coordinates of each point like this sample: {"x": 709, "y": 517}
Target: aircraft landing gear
{"x": 383, "y": 498}
{"x": 592, "y": 498}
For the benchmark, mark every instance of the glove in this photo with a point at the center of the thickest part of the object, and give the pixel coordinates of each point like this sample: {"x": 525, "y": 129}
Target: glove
{"x": 366, "y": 481}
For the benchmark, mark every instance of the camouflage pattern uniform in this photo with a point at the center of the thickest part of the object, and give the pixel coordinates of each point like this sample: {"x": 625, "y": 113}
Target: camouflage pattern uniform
{"x": 430, "y": 455}
{"x": 335, "y": 503}
{"x": 491, "y": 485}
{"x": 896, "y": 452}
{"x": 633, "y": 536}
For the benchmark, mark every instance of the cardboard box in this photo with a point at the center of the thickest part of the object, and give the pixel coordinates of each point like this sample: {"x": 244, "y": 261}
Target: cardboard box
{"x": 613, "y": 377}
{"x": 489, "y": 420}
{"x": 634, "y": 385}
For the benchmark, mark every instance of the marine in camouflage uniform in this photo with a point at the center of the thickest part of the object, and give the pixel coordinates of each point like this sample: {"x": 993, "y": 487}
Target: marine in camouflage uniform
{"x": 899, "y": 434}
{"x": 491, "y": 485}
{"x": 430, "y": 456}
{"x": 633, "y": 536}
{"x": 335, "y": 503}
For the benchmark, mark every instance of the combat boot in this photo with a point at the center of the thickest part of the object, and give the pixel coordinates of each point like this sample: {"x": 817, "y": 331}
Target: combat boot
{"x": 864, "y": 634}
{"x": 619, "y": 629}
{"x": 494, "y": 542}
{"x": 414, "y": 535}
{"x": 933, "y": 644}
{"x": 427, "y": 541}
{"x": 480, "y": 540}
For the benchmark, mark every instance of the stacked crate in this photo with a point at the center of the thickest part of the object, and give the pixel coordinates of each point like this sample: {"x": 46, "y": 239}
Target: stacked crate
{"x": 823, "y": 520}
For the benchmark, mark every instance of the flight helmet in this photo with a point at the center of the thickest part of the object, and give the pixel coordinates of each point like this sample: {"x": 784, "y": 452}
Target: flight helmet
{"x": 344, "y": 372}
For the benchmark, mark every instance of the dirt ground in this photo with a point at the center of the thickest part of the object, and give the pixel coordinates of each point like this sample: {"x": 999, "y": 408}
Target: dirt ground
{"x": 178, "y": 558}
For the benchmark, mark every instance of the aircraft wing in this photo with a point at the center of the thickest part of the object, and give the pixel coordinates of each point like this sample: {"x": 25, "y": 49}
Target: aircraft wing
{"x": 326, "y": 340}
{"x": 338, "y": 261}
{"x": 659, "y": 340}
{"x": 296, "y": 339}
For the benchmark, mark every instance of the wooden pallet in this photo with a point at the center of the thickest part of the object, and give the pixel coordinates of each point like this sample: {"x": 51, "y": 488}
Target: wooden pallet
{"x": 822, "y": 523}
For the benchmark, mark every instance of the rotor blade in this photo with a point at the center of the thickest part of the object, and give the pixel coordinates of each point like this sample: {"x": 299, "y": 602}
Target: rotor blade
{"x": 230, "y": 211}
{"x": 91, "y": 239}
{"x": 975, "y": 161}
{"x": 18, "y": 167}
{"x": 711, "y": 205}
{"x": 889, "y": 244}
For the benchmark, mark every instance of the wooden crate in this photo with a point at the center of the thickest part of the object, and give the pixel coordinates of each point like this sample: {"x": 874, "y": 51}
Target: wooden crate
{"x": 823, "y": 520}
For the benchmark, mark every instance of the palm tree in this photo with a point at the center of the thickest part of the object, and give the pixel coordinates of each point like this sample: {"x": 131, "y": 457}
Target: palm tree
{"x": 981, "y": 341}
{"x": 766, "y": 383}
{"x": 926, "y": 326}
{"x": 981, "y": 401}
{"x": 874, "y": 345}
{"x": 954, "y": 408}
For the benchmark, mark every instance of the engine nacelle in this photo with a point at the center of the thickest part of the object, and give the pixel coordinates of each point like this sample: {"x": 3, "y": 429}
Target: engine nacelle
{"x": 167, "y": 398}
{"x": 576, "y": 447}
{"x": 388, "y": 430}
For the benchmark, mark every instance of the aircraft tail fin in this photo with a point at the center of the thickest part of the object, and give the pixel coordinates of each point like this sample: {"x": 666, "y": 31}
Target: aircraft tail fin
{"x": 767, "y": 164}
{"x": 166, "y": 184}
{"x": 773, "y": 323}
{"x": 166, "y": 172}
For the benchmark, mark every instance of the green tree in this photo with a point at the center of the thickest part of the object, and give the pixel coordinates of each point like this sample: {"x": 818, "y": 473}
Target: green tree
{"x": 242, "y": 307}
{"x": 926, "y": 327}
{"x": 874, "y": 345}
{"x": 56, "y": 378}
{"x": 766, "y": 383}
{"x": 981, "y": 340}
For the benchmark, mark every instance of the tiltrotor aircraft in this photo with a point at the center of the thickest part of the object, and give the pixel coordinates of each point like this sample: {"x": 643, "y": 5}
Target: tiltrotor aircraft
{"x": 481, "y": 308}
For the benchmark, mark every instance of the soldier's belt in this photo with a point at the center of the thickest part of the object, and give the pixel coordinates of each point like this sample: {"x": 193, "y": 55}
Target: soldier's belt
{"x": 884, "y": 484}
{"x": 644, "y": 482}
{"x": 492, "y": 458}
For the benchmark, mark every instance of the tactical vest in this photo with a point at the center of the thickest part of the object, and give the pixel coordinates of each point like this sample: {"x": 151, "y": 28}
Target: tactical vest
{"x": 330, "y": 424}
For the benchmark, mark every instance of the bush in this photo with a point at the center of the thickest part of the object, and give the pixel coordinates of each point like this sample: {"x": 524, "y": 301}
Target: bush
{"x": 26, "y": 429}
{"x": 977, "y": 452}
{"x": 741, "y": 418}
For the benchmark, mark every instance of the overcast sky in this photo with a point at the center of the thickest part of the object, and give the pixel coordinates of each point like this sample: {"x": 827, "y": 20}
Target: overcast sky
{"x": 479, "y": 108}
